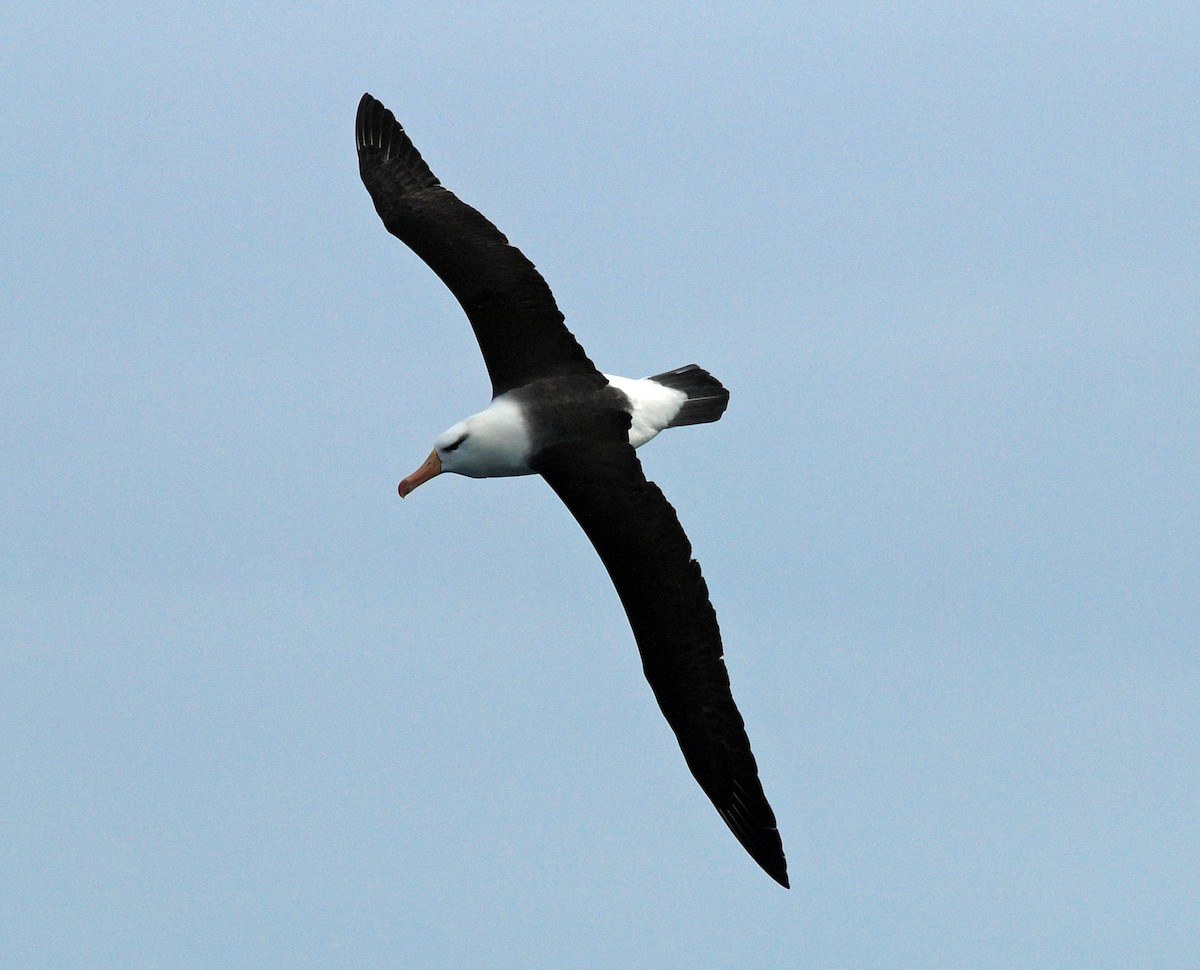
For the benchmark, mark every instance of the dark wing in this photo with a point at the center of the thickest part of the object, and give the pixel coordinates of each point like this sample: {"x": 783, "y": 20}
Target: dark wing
{"x": 512, "y": 311}
{"x": 639, "y": 539}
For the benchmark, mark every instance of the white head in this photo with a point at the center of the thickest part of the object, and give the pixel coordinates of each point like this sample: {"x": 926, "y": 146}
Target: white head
{"x": 489, "y": 444}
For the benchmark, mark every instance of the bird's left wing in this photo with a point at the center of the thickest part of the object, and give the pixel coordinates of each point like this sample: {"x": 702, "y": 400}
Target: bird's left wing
{"x": 649, "y": 558}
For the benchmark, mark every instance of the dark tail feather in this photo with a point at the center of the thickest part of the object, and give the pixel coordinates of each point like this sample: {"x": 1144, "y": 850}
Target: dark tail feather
{"x": 707, "y": 397}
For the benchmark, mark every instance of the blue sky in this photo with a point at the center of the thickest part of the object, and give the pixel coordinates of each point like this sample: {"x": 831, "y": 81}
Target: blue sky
{"x": 254, "y": 711}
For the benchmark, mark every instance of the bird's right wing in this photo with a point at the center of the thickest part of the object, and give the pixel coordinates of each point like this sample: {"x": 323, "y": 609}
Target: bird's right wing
{"x": 512, "y": 311}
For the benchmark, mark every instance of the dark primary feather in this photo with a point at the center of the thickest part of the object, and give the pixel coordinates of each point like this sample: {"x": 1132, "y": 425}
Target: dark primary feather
{"x": 512, "y": 311}
{"x": 648, "y": 556}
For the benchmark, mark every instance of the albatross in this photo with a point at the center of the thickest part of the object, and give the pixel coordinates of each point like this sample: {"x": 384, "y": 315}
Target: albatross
{"x": 554, "y": 414}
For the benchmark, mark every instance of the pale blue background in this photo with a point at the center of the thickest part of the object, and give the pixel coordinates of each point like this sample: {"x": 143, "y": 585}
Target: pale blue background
{"x": 255, "y": 712}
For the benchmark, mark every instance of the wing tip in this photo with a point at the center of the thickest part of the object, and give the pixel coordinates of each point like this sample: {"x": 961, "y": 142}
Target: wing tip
{"x": 383, "y": 144}
{"x": 749, "y": 817}
{"x": 370, "y": 122}
{"x": 770, "y": 858}
{"x": 763, "y": 845}
{"x": 778, "y": 872}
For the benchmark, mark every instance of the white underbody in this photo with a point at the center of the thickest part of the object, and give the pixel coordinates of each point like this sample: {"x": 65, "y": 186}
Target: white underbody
{"x": 654, "y": 406}
{"x": 495, "y": 442}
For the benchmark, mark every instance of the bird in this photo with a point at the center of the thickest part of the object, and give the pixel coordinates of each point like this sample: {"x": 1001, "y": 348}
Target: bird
{"x": 553, "y": 414}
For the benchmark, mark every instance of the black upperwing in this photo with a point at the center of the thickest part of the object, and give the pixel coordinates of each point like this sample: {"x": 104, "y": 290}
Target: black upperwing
{"x": 649, "y": 558}
{"x": 512, "y": 311}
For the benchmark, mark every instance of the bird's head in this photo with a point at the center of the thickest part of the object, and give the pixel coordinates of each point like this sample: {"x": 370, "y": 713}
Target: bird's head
{"x": 452, "y": 452}
{"x": 486, "y": 445}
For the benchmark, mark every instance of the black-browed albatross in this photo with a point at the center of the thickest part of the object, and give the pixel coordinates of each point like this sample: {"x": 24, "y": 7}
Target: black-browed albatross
{"x": 555, "y": 415}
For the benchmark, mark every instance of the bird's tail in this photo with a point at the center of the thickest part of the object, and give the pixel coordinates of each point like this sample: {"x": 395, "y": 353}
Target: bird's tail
{"x": 706, "y": 396}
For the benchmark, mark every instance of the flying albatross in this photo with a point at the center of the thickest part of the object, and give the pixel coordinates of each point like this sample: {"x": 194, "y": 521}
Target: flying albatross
{"x": 554, "y": 414}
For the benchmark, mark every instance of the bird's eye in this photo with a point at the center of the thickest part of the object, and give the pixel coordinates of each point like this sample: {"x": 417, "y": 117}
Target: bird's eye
{"x": 454, "y": 444}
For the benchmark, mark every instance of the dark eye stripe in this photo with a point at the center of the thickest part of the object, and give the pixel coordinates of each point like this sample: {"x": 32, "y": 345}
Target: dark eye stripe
{"x": 452, "y": 446}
